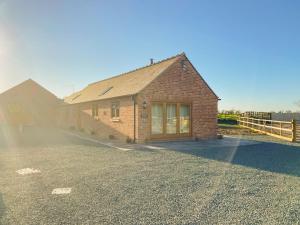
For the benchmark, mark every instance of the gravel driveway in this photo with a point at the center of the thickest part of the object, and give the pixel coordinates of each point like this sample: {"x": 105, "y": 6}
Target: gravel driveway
{"x": 172, "y": 183}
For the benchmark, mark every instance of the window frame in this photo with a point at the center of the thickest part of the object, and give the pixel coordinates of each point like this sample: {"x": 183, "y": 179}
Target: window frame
{"x": 179, "y": 117}
{"x": 164, "y": 134}
{"x": 115, "y": 110}
{"x": 162, "y": 121}
{"x": 176, "y": 116}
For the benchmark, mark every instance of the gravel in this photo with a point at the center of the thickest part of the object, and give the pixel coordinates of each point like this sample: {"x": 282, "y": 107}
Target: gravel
{"x": 257, "y": 184}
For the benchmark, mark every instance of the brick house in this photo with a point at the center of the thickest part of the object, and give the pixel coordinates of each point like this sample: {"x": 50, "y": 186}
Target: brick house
{"x": 29, "y": 104}
{"x": 164, "y": 100}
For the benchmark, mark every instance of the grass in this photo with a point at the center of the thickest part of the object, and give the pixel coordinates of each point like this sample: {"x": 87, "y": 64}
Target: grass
{"x": 230, "y": 119}
{"x": 196, "y": 184}
{"x": 227, "y": 116}
{"x": 225, "y": 125}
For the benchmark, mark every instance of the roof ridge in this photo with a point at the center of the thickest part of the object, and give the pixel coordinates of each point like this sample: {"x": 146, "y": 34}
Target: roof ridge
{"x": 27, "y": 81}
{"x": 139, "y": 68}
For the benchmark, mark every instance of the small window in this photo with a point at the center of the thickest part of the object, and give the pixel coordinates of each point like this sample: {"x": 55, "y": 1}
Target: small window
{"x": 94, "y": 110}
{"x": 105, "y": 91}
{"x": 75, "y": 97}
{"x": 115, "y": 110}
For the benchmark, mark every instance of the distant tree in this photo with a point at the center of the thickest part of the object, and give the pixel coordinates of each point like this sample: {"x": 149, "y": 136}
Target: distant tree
{"x": 230, "y": 111}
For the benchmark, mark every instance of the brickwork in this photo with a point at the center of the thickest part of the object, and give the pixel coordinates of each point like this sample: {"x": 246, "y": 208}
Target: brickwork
{"x": 80, "y": 117}
{"x": 179, "y": 83}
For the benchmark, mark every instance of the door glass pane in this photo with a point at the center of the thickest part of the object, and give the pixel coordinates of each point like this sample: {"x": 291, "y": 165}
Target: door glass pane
{"x": 171, "y": 119}
{"x": 184, "y": 119}
{"x": 157, "y": 119}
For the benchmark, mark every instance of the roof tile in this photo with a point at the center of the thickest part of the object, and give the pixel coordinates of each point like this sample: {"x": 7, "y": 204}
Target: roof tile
{"x": 129, "y": 83}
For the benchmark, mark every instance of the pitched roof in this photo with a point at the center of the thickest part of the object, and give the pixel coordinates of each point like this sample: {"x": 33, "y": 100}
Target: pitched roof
{"x": 30, "y": 87}
{"x": 125, "y": 84}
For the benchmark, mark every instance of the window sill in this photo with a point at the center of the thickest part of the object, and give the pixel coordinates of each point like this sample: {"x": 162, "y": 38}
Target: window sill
{"x": 115, "y": 119}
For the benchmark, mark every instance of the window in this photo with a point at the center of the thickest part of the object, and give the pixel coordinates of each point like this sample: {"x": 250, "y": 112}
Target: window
{"x": 170, "y": 119}
{"x": 184, "y": 119}
{"x": 94, "y": 110}
{"x": 115, "y": 110}
{"x": 105, "y": 91}
{"x": 75, "y": 97}
{"x": 157, "y": 118}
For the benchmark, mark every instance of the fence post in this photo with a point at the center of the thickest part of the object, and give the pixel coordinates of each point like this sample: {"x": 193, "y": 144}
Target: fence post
{"x": 271, "y": 126}
{"x": 280, "y": 129}
{"x": 294, "y": 129}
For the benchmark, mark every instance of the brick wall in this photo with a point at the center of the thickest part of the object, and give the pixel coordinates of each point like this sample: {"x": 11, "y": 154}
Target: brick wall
{"x": 80, "y": 116}
{"x": 178, "y": 85}
{"x": 174, "y": 85}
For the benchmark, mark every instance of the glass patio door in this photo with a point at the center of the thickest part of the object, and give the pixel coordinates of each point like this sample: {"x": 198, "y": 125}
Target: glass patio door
{"x": 171, "y": 126}
{"x": 184, "y": 119}
{"x": 157, "y": 118}
{"x": 170, "y": 119}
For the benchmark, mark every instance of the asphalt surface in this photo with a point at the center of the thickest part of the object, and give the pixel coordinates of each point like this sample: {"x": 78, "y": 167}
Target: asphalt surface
{"x": 179, "y": 183}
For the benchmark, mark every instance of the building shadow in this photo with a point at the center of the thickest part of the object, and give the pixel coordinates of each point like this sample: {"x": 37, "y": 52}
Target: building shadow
{"x": 271, "y": 157}
{"x": 39, "y": 136}
{"x": 2, "y": 207}
{"x": 33, "y": 136}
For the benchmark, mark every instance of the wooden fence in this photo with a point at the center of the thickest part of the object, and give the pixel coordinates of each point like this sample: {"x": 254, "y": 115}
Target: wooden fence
{"x": 286, "y": 130}
{"x": 286, "y": 116}
{"x": 258, "y": 115}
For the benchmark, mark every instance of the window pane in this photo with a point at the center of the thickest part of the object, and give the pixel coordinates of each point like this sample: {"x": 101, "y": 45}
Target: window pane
{"x": 184, "y": 119}
{"x": 115, "y": 111}
{"x": 171, "y": 119}
{"x": 157, "y": 119}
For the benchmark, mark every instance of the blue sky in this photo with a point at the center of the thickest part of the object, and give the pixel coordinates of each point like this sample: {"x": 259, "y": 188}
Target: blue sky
{"x": 247, "y": 51}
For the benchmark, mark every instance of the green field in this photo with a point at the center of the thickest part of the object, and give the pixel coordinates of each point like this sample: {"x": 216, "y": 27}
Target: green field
{"x": 228, "y": 116}
{"x": 224, "y": 125}
{"x": 229, "y": 119}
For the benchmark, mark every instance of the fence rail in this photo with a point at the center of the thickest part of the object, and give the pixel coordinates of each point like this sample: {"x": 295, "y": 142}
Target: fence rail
{"x": 258, "y": 115}
{"x": 286, "y": 130}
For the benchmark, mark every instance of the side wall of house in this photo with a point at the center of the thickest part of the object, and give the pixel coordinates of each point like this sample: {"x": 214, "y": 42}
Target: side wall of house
{"x": 79, "y": 117}
{"x": 180, "y": 85}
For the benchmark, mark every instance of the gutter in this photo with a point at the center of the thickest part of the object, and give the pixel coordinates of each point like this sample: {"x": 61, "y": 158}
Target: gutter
{"x": 134, "y": 117}
{"x": 98, "y": 100}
